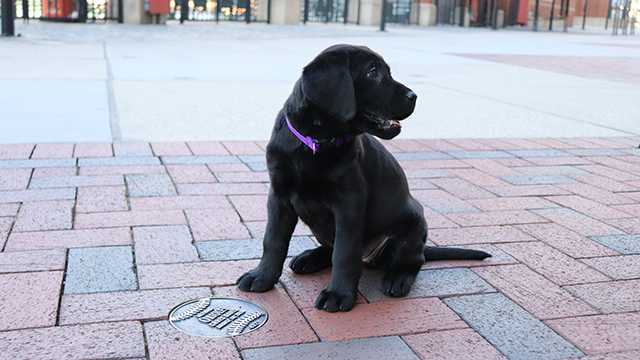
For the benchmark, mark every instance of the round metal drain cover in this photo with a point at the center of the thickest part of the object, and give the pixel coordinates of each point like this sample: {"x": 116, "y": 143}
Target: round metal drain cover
{"x": 217, "y": 317}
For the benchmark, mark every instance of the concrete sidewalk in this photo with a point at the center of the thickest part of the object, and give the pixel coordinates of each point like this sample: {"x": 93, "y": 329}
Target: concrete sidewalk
{"x": 201, "y": 81}
{"x": 99, "y": 241}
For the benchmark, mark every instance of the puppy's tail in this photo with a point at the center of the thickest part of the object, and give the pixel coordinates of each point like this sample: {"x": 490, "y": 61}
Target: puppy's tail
{"x": 444, "y": 253}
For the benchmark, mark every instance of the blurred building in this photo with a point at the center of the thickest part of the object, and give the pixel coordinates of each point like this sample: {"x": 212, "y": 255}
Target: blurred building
{"x": 554, "y": 14}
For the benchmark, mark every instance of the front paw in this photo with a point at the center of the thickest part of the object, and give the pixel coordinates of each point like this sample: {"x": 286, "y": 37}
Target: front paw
{"x": 398, "y": 284}
{"x": 256, "y": 280}
{"x": 333, "y": 301}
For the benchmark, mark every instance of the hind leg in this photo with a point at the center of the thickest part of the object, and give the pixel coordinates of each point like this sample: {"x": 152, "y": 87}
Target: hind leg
{"x": 402, "y": 259}
{"x": 311, "y": 261}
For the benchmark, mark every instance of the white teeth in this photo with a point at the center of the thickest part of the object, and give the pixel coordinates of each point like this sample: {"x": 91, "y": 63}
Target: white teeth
{"x": 390, "y": 124}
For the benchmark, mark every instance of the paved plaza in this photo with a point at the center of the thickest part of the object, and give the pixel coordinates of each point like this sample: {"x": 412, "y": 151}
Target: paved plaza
{"x": 99, "y": 241}
{"x": 201, "y": 81}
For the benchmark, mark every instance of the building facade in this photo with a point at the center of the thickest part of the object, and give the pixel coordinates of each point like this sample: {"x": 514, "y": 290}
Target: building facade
{"x": 540, "y": 14}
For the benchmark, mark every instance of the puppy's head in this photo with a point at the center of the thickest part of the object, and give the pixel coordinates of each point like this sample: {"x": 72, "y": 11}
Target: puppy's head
{"x": 353, "y": 86}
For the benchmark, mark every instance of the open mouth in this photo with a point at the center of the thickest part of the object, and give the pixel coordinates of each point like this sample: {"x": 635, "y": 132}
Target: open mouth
{"x": 390, "y": 124}
{"x": 381, "y": 127}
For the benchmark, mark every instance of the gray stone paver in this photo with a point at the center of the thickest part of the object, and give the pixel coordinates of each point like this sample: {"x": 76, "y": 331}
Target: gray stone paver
{"x": 536, "y": 179}
{"x": 163, "y": 244}
{"x": 625, "y": 244}
{"x": 440, "y": 282}
{"x": 37, "y": 195}
{"x": 252, "y": 158}
{"x": 539, "y": 153}
{"x": 596, "y": 152}
{"x": 217, "y": 250}
{"x": 37, "y": 163}
{"x": 121, "y": 160}
{"x": 360, "y": 349}
{"x": 480, "y": 154}
{"x": 515, "y": 332}
{"x": 75, "y": 181}
{"x": 200, "y": 159}
{"x": 100, "y": 269}
{"x": 551, "y": 170}
{"x": 140, "y": 185}
{"x": 257, "y": 166}
{"x": 430, "y": 155}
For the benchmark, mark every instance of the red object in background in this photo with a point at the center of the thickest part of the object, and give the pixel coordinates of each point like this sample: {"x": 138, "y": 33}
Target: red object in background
{"x": 159, "y": 7}
{"x": 523, "y": 12}
{"x": 58, "y": 9}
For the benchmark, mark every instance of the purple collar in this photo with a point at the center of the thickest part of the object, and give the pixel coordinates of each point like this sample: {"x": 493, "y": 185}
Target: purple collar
{"x": 313, "y": 143}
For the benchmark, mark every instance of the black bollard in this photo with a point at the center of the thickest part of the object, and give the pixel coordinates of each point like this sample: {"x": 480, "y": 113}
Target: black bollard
{"x": 383, "y": 18}
{"x": 8, "y": 18}
{"x": 184, "y": 11}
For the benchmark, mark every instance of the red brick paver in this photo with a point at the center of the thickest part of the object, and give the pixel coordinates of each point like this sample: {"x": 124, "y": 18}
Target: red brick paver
{"x": 93, "y": 150}
{"x": 207, "y": 148}
{"x": 170, "y": 148}
{"x": 125, "y": 305}
{"x": 609, "y": 297}
{"x": 556, "y": 266}
{"x": 45, "y": 215}
{"x": 129, "y": 218}
{"x": 286, "y": 324}
{"x": 303, "y": 289}
{"x": 392, "y": 318}
{"x": 193, "y": 274}
{"x": 185, "y": 174}
{"x": 16, "y": 151}
{"x": 478, "y": 235}
{"x": 91, "y": 341}
{"x": 68, "y": 239}
{"x": 167, "y": 343}
{"x": 464, "y": 344}
{"x": 102, "y": 199}
{"x": 565, "y": 240}
{"x": 215, "y": 224}
{"x": 601, "y": 333}
{"x": 37, "y": 260}
{"x": 14, "y": 179}
{"x": 29, "y": 299}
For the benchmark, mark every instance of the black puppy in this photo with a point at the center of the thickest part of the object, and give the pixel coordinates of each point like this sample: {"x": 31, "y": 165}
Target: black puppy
{"x": 327, "y": 170}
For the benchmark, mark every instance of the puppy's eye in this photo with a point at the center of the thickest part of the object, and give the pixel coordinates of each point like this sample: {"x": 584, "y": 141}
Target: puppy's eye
{"x": 372, "y": 72}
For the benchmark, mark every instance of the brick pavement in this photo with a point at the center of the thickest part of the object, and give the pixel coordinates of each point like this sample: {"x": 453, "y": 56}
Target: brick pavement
{"x": 99, "y": 241}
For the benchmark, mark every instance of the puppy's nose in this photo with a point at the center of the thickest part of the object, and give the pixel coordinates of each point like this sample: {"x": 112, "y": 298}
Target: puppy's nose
{"x": 411, "y": 96}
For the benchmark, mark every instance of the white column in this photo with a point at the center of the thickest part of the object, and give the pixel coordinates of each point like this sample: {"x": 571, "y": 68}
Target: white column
{"x": 370, "y": 12}
{"x": 427, "y": 14}
{"x": 352, "y": 16}
{"x": 134, "y": 12}
{"x": 285, "y": 12}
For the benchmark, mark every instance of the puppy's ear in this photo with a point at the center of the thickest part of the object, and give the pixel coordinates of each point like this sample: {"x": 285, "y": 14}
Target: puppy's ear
{"x": 327, "y": 83}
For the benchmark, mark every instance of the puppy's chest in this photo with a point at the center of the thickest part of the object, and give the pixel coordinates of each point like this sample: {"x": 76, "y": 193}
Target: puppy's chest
{"x": 311, "y": 189}
{"x": 312, "y": 202}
